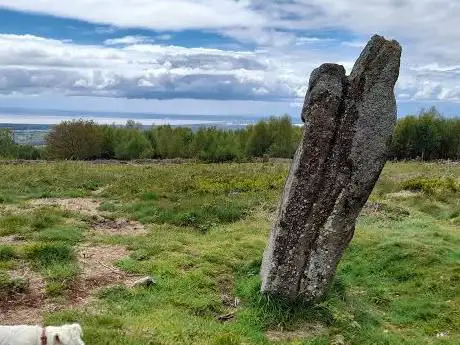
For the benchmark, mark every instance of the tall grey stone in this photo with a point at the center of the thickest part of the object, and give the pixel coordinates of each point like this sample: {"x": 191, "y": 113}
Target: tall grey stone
{"x": 349, "y": 122}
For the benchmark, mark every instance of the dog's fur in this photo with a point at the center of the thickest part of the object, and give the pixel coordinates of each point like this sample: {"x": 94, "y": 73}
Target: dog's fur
{"x": 31, "y": 335}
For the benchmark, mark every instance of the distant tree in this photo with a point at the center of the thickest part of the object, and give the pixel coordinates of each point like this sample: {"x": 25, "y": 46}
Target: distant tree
{"x": 75, "y": 140}
{"x": 428, "y": 132}
{"x": 170, "y": 142}
{"x": 9, "y": 149}
{"x": 404, "y": 143}
{"x": 284, "y": 141}
{"x": 426, "y": 136}
{"x": 6, "y": 142}
{"x": 110, "y": 137}
{"x": 260, "y": 139}
{"x": 214, "y": 145}
{"x": 133, "y": 124}
{"x": 131, "y": 143}
{"x": 450, "y": 142}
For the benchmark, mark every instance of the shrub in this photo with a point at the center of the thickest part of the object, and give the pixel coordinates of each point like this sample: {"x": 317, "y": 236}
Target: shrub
{"x": 27, "y": 152}
{"x": 8, "y": 148}
{"x": 285, "y": 137}
{"x": 75, "y": 140}
{"x": 430, "y": 185}
{"x": 213, "y": 145}
{"x": 109, "y": 141}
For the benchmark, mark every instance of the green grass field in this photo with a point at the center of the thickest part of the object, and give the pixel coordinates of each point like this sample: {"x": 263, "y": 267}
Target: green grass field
{"x": 74, "y": 235}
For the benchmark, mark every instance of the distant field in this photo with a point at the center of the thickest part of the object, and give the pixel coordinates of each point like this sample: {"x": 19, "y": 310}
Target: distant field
{"x": 75, "y": 236}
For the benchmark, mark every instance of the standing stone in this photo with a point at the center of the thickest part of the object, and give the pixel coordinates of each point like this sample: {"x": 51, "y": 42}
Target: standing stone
{"x": 349, "y": 122}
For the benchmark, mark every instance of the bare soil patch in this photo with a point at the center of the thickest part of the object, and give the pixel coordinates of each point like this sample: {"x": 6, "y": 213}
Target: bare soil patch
{"x": 24, "y": 307}
{"x": 96, "y": 262}
{"x": 404, "y": 194}
{"x": 121, "y": 227}
{"x": 99, "y": 222}
{"x": 100, "y": 190}
{"x": 10, "y": 209}
{"x": 97, "y": 271}
{"x": 372, "y": 208}
{"x": 12, "y": 240}
{"x": 85, "y": 206}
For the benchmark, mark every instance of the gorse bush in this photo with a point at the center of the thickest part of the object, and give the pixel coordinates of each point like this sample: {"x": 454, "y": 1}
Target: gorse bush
{"x": 430, "y": 185}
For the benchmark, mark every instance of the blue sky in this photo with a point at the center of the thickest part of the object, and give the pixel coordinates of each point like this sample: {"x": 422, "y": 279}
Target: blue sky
{"x": 215, "y": 57}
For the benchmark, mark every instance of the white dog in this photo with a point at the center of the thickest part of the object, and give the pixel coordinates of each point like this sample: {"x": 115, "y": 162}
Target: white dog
{"x": 36, "y": 335}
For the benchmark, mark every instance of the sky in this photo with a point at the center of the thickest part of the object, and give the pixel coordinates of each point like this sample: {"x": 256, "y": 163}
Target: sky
{"x": 215, "y": 57}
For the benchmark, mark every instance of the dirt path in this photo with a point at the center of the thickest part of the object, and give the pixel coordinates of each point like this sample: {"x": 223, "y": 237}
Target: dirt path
{"x": 96, "y": 264}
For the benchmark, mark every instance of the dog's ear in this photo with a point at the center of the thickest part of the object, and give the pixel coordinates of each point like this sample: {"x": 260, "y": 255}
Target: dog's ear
{"x": 69, "y": 335}
{"x": 78, "y": 329}
{"x": 56, "y": 340}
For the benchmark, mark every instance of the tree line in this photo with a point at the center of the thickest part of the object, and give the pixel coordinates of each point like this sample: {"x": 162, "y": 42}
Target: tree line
{"x": 425, "y": 136}
{"x": 87, "y": 140}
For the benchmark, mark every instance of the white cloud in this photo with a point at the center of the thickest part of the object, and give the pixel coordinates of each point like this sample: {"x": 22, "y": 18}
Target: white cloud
{"x": 279, "y": 67}
{"x": 33, "y": 65}
{"x": 427, "y": 28}
{"x": 421, "y": 24}
{"x": 128, "y": 40}
{"x": 260, "y": 36}
{"x": 157, "y": 14}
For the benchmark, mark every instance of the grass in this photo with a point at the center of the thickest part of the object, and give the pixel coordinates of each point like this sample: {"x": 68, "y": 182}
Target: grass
{"x": 398, "y": 283}
{"x": 9, "y": 286}
{"x": 6, "y": 253}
